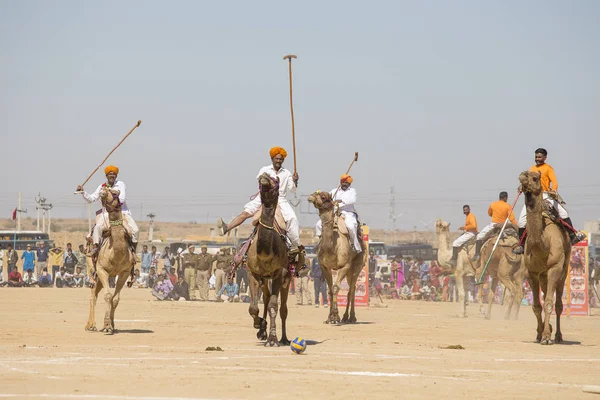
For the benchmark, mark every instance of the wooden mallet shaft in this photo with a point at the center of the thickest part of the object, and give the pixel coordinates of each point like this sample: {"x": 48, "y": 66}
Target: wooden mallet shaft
{"x": 289, "y": 57}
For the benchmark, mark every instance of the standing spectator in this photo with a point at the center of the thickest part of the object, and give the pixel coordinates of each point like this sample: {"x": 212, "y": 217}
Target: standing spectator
{"x": 169, "y": 259}
{"x": 378, "y": 290}
{"x": 424, "y": 273}
{"x": 78, "y": 277}
{"x": 42, "y": 258}
{"x": 180, "y": 290}
{"x": 162, "y": 288}
{"x": 302, "y": 292}
{"x": 320, "y": 286}
{"x": 81, "y": 255}
{"x": 56, "y": 260}
{"x": 179, "y": 265}
{"x": 1, "y": 264}
{"x": 190, "y": 264}
{"x": 28, "y": 258}
{"x": 231, "y": 292}
{"x": 372, "y": 266}
{"x": 45, "y": 279}
{"x": 406, "y": 264}
{"x": 400, "y": 273}
{"x": 70, "y": 261}
{"x": 223, "y": 261}
{"x": 203, "y": 270}
{"x": 146, "y": 259}
{"x": 241, "y": 275}
{"x": 29, "y": 279}
{"x": 155, "y": 257}
{"x": 11, "y": 259}
{"x": 393, "y": 273}
{"x": 435, "y": 272}
{"x": 69, "y": 247}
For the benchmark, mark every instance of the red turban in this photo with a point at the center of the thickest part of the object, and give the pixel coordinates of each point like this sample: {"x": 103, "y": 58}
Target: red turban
{"x": 277, "y": 150}
{"x": 111, "y": 168}
{"x": 346, "y": 178}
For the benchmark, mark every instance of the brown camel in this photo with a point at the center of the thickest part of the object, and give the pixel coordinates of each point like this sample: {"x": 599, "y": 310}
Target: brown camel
{"x": 336, "y": 254}
{"x": 267, "y": 261}
{"x": 505, "y": 267}
{"x": 115, "y": 258}
{"x": 546, "y": 257}
{"x": 464, "y": 266}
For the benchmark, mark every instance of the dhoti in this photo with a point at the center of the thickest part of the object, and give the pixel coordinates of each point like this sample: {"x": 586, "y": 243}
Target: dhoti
{"x": 351, "y": 224}
{"x": 562, "y": 212}
{"x": 102, "y": 224}
{"x": 291, "y": 221}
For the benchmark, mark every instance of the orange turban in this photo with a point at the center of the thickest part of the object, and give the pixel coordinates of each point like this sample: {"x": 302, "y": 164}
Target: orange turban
{"x": 277, "y": 150}
{"x": 346, "y": 178}
{"x": 111, "y": 168}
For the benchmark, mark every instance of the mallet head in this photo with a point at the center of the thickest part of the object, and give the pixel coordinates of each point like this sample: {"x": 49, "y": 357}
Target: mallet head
{"x": 289, "y": 56}
{"x": 139, "y": 122}
{"x": 356, "y": 156}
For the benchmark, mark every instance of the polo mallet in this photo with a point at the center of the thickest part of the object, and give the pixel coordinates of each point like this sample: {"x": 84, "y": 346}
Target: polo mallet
{"x": 480, "y": 280}
{"x": 347, "y": 172}
{"x": 106, "y": 158}
{"x": 289, "y": 57}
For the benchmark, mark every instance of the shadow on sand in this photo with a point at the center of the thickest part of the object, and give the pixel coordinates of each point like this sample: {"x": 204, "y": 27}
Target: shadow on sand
{"x": 134, "y": 331}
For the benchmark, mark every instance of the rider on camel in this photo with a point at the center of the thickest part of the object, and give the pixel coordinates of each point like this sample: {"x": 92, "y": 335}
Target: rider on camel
{"x": 287, "y": 182}
{"x": 345, "y": 197}
{"x": 550, "y": 189}
{"x": 111, "y": 173}
{"x": 499, "y": 211}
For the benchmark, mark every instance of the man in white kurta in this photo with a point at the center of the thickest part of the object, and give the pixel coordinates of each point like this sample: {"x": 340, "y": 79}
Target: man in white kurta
{"x": 287, "y": 183}
{"x": 102, "y": 217}
{"x": 345, "y": 198}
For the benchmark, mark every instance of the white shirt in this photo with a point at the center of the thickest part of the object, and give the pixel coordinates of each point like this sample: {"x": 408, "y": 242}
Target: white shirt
{"x": 119, "y": 185}
{"x": 348, "y": 198}
{"x": 286, "y": 183}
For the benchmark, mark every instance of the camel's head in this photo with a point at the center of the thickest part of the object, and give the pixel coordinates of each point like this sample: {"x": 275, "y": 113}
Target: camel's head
{"x": 110, "y": 199}
{"x": 321, "y": 200}
{"x": 530, "y": 182}
{"x": 441, "y": 226}
{"x": 269, "y": 189}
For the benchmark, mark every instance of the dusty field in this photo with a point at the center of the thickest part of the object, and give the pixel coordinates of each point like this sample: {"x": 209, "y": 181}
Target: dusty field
{"x": 392, "y": 353}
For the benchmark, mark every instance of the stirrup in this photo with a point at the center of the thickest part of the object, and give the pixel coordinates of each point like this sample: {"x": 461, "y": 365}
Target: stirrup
{"x": 221, "y": 226}
{"x": 518, "y": 250}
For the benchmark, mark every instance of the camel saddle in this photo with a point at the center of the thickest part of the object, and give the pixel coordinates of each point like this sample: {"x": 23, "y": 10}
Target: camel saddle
{"x": 340, "y": 222}
{"x": 510, "y": 238}
{"x": 279, "y": 221}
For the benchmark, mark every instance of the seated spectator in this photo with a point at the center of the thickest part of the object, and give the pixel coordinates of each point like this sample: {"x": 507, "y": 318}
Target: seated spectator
{"x": 151, "y": 278}
{"x": 14, "y": 279}
{"x": 45, "y": 279}
{"x": 162, "y": 288}
{"x": 173, "y": 276}
{"x": 406, "y": 291}
{"x": 63, "y": 278}
{"x": 137, "y": 279}
{"x": 231, "y": 292}
{"x": 79, "y": 277}
{"x": 425, "y": 292}
{"x": 29, "y": 279}
{"x": 180, "y": 290}
{"x": 415, "y": 292}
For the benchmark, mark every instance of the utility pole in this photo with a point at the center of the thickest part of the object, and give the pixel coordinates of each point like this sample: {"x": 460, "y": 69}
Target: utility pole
{"x": 19, "y": 211}
{"x": 38, "y": 200}
{"x": 393, "y": 208}
{"x": 45, "y": 207}
{"x": 151, "y": 229}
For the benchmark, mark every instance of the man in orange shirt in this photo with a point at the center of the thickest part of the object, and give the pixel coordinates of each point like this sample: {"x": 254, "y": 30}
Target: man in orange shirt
{"x": 469, "y": 232}
{"x": 549, "y": 186}
{"x": 499, "y": 211}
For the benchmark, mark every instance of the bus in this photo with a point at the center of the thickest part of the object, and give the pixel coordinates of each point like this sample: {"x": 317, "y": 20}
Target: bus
{"x": 19, "y": 240}
{"x": 423, "y": 251}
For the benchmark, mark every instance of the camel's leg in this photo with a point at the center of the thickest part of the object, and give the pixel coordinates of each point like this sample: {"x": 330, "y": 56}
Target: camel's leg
{"x": 334, "y": 316}
{"x": 91, "y": 324}
{"x": 275, "y": 287}
{"x": 494, "y": 285}
{"x": 253, "y": 309}
{"x": 266, "y": 296}
{"x": 560, "y": 286}
{"x": 352, "y": 277}
{"x": 283, "y": 310}
{"x": 460, "y": 285}
{"x": 517, "y": 280}
{"x": 548, "y": 283}
{"x": 115, "y": 299}
{"x": 329, "y": 279}
{"x": 534, "y": 282}
{"x": 509, "y": 286}
{"x": 103, "y": 278}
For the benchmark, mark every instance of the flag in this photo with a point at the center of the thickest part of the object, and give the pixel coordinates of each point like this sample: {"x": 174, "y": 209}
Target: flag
{"x": 14, "y": 215}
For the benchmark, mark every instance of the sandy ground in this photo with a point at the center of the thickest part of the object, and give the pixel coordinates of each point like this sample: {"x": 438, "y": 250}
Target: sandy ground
{"x": 391, "y": 353}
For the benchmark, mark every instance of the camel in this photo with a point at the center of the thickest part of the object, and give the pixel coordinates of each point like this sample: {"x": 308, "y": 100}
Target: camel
{"x": 115, "y": 258}
{"x": 336, "y": 254}
{"x": 546, "y": 257}
{"x": 507, "y": 268}
{"x": 268, "y": 260}
{"x": 464, "y": 266}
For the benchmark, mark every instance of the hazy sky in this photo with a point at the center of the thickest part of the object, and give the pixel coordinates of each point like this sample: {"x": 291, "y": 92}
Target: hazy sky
{"x": 445, "y": 100}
